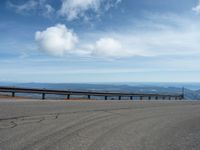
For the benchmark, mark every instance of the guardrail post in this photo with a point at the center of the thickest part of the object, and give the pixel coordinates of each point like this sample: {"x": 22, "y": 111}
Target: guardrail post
{"x": 89, "y": 96}
{"x": 13, "y": 94}
{"x": 169, "y": 97}
{"x": 149, "y": 97}
{"x": 141, "y": 98}
{"x": 43, "y": 96}
{"x": 120, "y": 97}
{"x": 106, "y": 97}
{"x": 183, "y": 96}
{"x": 156, "y": 97}
{"x": 131, "y": 97}
{"x": 163, "y": 98}
{"x": 68, "y": 96}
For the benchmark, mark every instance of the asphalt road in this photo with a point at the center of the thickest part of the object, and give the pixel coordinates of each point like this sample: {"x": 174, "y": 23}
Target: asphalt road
{"x": 99, "y": 125}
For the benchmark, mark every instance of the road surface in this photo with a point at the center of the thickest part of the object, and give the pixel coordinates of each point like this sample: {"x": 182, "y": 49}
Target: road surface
{"x": 99, "y": 125}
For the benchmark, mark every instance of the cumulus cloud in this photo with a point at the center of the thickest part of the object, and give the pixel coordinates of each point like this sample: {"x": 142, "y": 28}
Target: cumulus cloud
{"x": 56, "y": 40}
{"x": 73, "y": 9}
{"x": 197, "y": 8}
{"x": 160, "y": 36}
{"x": 109, "y": 47}
{"x": 167, "y": 35}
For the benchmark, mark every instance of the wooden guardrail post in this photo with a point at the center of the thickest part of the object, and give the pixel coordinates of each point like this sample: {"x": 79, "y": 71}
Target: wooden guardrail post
{"x": 131, "y": 97}
{"x": 68, "y": 96}
{"x": 106, "y": 97}
{"x": 13, "y": 94}
{"x": 141, "y": 98}
{"x": 89, "y": 96}
{"x": 120, "y": 97}
{"x": 182, "y": 96}
{"x": 149, "y": 97}
{"x": 43, "y": 96}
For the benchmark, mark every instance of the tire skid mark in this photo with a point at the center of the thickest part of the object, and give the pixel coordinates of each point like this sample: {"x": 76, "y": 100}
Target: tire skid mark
{"x": 30, "y": 135}
{"x": 52, "y": 136}
{"x": 105, "y": 136}
{"x": 76, "y": 132}
{"x": 13, "y": 119}
{"x": 112, "y": 109}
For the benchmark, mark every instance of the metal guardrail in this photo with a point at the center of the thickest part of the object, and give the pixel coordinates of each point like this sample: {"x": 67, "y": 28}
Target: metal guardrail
{"x": 43, "y": 92}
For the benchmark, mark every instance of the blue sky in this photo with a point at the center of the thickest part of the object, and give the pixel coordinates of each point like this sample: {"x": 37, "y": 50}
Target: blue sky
{"x": 100, "y": 40}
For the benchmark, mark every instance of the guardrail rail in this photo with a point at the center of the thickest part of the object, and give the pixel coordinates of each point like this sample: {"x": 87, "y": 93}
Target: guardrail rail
{"x": 68, "y": 93}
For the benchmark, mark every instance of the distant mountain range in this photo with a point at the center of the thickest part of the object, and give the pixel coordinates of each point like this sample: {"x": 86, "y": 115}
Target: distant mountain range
{"x": 191, "y": 91}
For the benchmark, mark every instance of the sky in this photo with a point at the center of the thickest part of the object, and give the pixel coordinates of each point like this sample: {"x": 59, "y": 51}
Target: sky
{"x": 82, "y": 41}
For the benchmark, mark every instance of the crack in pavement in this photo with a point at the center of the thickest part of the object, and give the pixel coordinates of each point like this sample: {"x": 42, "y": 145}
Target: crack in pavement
{"x": 14, "y": 122}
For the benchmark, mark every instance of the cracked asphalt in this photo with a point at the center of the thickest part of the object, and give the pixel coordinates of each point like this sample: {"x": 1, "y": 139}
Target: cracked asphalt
{"x": 99, "y": 125}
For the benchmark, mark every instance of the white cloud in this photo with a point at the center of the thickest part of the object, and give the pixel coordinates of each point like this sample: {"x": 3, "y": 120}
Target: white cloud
{"x": 59, "y": 41}
{"x": 38, "y": 6}
{"x": 160, "y": 36}
{"x": 109, "y": 47}
{"x": 56, "y": 40}
{"x": 197, "y": 8}
{"x": 165, "y": 35}
{"x": 111, "y": 4}
{"x": 48, "y": 10}
{"x": 27, "y": 6}
{"x": 73, "y": 9}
